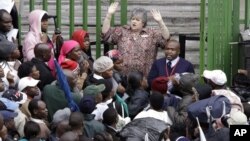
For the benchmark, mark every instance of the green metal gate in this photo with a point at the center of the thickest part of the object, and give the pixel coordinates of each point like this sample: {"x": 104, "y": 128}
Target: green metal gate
{"x": 220, "y": 26}
{"x": 123, "y": 4}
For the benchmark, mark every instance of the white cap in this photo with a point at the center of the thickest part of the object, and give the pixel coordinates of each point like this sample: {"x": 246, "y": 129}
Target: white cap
{"x": 237, "y": 118}
{"x": 27, "y": 82}
{"x": 218, "y": 77}
{"x": 102, "y": 64}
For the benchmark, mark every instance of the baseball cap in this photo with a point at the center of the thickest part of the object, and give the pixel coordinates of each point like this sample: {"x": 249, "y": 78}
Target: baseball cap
{"x": 27, "y": 82}
{"x": 93, "y": 90}
{"x": 7, "y": 115}
{"x": 10, "y": 105}
{"x": 218, "y": 77}
{"x": 15, "y": 96}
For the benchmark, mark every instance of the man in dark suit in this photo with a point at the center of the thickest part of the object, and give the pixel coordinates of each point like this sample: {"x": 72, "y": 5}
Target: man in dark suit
{"x": 170, "y": 64}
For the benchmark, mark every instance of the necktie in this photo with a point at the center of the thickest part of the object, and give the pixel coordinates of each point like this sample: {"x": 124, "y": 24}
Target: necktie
{"x": 169, "y": 65}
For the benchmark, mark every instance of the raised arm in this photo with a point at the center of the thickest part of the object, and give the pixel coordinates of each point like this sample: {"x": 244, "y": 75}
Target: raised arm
{"x": 158, "y": 18}
{"x": 107, "y": 20}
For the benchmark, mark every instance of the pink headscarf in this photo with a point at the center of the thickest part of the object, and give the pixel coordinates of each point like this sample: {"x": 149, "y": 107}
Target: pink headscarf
{"x": 66, "y": 48}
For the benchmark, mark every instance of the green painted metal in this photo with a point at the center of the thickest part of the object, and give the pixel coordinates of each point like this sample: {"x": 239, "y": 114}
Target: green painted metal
{"x": 98, "y": 28}
{"x": 32, "y": 5}
{"x": 19, "y": 28}
{"x": 247, "y": 13}
{"x": 58, "y": 13}
{"x": 45, "y": 5}
{"x": 210, "y": 49}
{"x": 113, "y": 17}
{"x": 202, "y": 35}
{"x": 223, "y": 30}
{"x": 85, "y": 15}
{"x": 71, "y": 17}
{"x": 228, "y": 38}
{"x": 123, "y": 21}
{"x": 235, "y": 30}
{"x": 124, "y": 11}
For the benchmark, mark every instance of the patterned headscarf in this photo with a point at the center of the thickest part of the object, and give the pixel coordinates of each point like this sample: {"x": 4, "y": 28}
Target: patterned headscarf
{"x": 79, "y": 36}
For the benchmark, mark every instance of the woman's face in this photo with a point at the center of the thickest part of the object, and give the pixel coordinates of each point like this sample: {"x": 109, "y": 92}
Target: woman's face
{"x": 35, "y": 73}
{"x": 86, "y": 43}
{"x": 118, "y": 64}
{"x": 136, "y": 23}
{"x": 75, "y": 53}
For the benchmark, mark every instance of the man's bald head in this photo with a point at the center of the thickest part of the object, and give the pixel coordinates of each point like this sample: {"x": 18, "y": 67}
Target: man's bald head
{"x": 42, "y": 51}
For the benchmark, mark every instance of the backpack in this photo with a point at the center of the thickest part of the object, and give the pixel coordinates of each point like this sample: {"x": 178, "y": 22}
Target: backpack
{"x": 215, "y": 106}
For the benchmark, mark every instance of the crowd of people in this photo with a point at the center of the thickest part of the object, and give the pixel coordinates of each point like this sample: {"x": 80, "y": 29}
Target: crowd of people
{"x": 63, "y": 94}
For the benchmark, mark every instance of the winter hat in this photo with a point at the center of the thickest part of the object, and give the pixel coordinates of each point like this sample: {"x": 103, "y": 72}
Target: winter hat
{"x": 102, "y": 64}
{"x": 160, "y": 84}
{"x": 87, "y": 104}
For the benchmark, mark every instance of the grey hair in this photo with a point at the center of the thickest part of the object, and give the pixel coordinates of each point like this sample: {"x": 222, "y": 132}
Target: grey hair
{"x": 142, "y": 13}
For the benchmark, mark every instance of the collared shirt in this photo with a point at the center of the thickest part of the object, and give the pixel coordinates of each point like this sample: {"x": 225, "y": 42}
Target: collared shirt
{"x": 174, "y": 62}
{"x": 97, "y": 76}
{"x": 139, "y": 51}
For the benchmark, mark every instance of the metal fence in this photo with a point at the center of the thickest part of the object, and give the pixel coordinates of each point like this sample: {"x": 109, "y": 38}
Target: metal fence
{"x": 85, "y": 17}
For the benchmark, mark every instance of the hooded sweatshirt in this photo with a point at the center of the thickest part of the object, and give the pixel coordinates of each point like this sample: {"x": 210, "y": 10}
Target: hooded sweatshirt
{"x": 33, "y": 37}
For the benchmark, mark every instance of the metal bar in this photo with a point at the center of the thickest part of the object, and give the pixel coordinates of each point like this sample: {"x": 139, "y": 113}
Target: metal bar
{"x": 19, "y": 28}
{"x": 58, "y": 13}
{"x": 32, "y": 5}
{"x": 182, "y": 40}
{"x": 202, "y": 35}
{"x": 235, "y": 30}
{"x": 210, "y": 48}
{"x": 85, "y": 15}
{"x": 124, "y": 11}
{"x": 113, "y": 17}
{"x": 98, "y": 28}
{"x": 228, "y": 38}
{"x": 45, "y": 5}
{"x": 71, "y": 17}
{"x": 247, "y": 13}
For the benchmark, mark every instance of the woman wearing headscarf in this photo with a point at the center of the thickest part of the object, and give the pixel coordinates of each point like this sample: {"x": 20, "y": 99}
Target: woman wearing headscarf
{"x": 86, "y": 60}
{"x": 70, "y": 51}
{"x": 69, "y": 55}
{"x": 136, "y": 42}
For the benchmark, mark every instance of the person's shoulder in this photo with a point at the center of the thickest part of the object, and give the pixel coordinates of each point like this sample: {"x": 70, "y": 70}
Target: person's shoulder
{"x": 183, "y": 60}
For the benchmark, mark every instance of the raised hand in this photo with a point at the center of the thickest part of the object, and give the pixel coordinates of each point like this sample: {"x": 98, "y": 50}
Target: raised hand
{"x": 156, "y": 15}
{"x": 112, "y": 8}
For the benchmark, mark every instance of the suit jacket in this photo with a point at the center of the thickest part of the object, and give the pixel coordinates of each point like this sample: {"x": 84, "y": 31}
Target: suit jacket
{"x": 159, "y": 68}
